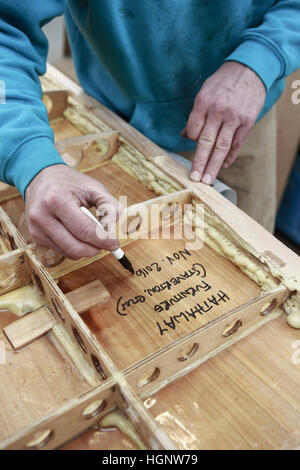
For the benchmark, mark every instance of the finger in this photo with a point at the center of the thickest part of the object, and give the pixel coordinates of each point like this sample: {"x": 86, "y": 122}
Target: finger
{"x": 195, "y": 124}
{"x": 219, "y": 154}
{"x": 83, "y": 228}
{"x": 98, "y": 195}
{"x": 204, "y": 148}
{"x": 237, "y": 142}
{"x": 109, "y": 214}
{"x": 41, "y": 239}
{"x": 66, "y": 242}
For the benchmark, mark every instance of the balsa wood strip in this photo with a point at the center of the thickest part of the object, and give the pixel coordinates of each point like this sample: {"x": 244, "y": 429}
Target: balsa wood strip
{"x": 29, "y": 328}
{"x": 90, "y": 295}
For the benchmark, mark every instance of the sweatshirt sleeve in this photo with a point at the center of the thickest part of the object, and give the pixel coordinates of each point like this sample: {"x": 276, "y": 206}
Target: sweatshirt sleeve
{"x": 272, "y": 49}
{"x": 26, "y": 139}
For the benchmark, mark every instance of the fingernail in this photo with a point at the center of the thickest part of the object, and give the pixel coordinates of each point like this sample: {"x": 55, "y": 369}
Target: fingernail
{"x": 206, "y": 179}
{"x": 195, "y": 175}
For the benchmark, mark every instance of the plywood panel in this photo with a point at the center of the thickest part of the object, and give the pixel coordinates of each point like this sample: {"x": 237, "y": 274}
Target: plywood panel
{"x": 130, "y": 326}
{"x": 119, "y": 183}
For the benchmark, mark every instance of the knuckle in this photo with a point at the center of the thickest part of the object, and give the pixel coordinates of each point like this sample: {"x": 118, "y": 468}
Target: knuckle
{"x": 223, "y": 143}
{"x": 248, "y": 120}
{"x": 33, "y": 215}
{"x": 51, "y": 199}
{"x": 219, "y": 108}
{"x": 236, "y": 144}
{"x": 201, "y": 102}
{"x": 37, "y": 237}
{"x": 84, "y": 233}
{"x": 206, "y": 140}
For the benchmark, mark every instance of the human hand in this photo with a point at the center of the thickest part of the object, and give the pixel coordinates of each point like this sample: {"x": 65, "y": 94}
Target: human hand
{"x": 54, "y": 218}
{"x": 224, "y": 112}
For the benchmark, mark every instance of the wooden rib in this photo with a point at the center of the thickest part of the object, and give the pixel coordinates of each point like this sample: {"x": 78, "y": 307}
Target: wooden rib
{"x": 81, "y": 152}
{"x": 13, "y": 236}
{"x": 210, "y": 339}
{"x": 67, "y": 265}
{"x": 14, "y": 271}
{"x": 66, "y": 421}
{"x": 29, "y": 328}
{"x": 152, "y": 209}
{"x": 55, "y": 102}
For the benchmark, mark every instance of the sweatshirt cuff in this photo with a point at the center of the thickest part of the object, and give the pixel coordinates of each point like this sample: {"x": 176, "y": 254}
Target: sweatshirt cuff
{"x": 31, "y": 157}
{"x": 262, "y": 56}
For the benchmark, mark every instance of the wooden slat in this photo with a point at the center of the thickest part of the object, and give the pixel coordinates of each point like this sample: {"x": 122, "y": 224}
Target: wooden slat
{"x": 29, "y": 328}
{"x": 90, "y": 295}
{"x": 34, "y": 325}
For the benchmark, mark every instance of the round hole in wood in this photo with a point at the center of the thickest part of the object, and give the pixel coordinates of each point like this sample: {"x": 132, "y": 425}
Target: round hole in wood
{"x": 40, "y": 439}
{"x": 187, "y": 354}
{"x": 38, "y": 282}
{"x": 78, "y": 338}
{"x": 98, "y": 146}
{"x": 94, "y": 409}
{"x": 57, "y": 308}
{"x": 7, "y": 277}
{"x": 98, "y": 366}
{"x": 268, "y": 307}
{"x": 133, "y": 224}
{"x": 149, "y": 378}
{"x": 49, "y": 258}
{"x": 12, "y": 242}
{"x": 232, "y": 328}
{"x": 2, "y": 233}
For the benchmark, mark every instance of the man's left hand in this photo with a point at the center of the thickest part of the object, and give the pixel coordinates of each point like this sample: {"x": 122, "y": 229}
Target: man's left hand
{"x": 224, "y": 112}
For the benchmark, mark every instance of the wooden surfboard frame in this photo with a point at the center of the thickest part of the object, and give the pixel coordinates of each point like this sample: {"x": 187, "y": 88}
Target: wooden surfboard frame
{"x": 127, "y": 387}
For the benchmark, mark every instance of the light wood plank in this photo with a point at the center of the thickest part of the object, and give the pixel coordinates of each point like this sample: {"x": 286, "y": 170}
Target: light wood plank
{"x": 30, "y": 327}
{"x": 88, "y": 296}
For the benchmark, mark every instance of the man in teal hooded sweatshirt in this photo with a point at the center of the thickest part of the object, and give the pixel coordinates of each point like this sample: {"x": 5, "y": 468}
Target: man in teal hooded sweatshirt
{"x": 189, "y": 74}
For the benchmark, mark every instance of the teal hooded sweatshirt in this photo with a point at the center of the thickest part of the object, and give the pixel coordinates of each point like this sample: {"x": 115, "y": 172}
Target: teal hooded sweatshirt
{"x": 144, "y": 59}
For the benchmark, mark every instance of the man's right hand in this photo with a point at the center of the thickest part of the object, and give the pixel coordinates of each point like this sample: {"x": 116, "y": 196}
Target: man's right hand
{"x": 54, "y": 218}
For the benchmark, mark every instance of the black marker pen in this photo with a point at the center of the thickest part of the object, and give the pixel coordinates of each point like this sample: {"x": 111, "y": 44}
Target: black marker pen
{"x": 119, "y": 253}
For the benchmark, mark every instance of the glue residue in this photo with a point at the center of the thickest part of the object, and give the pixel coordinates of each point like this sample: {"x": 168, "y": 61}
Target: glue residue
{"x": 182, "y": 437}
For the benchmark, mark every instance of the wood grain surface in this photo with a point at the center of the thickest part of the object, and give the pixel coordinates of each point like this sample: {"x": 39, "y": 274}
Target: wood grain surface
{"x": 133, "y": 333}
